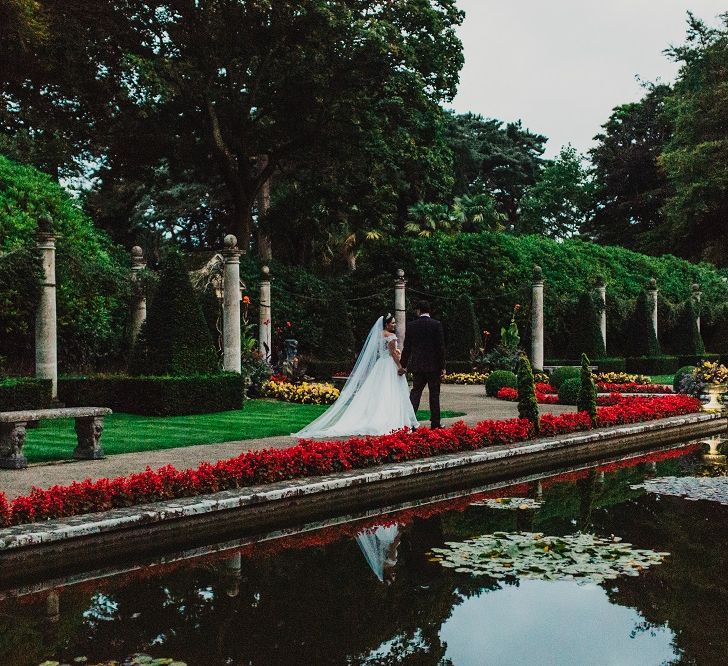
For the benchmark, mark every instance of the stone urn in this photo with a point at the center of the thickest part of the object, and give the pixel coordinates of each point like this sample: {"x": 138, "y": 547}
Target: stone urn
{"x": 714, "y": 393}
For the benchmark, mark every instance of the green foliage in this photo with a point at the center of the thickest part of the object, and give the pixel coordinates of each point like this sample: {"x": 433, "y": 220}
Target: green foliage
{"x": 586, "y": 334}
{"x": 560, "y": 375}
{"x": 527, "y": 403}
{"x": 175, "y": 339}
{"x": 641, "y": 331}
{"x": 587, "y": 400}
{"x": 652, "y": 365}
{"x": 686, "y": 338}
{"x": 569, "y": 391}
{"x": 24, "y": 393}
{"x": 92, "y": 293}
{"x": 462, "y": 330}
{"x": 498, "y": 379}
{"x": 156, "y": 396}
{"x": 560, "y": 201}
{"x": 684, "y": 371}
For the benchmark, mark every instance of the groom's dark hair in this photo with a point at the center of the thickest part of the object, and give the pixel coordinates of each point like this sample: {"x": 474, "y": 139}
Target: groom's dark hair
{"x": 424, "y": 307}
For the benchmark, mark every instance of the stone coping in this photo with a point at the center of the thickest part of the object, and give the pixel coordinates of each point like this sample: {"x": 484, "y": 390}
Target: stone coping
{"x": 60, "y": 413}
{"x": 56, "y": 531}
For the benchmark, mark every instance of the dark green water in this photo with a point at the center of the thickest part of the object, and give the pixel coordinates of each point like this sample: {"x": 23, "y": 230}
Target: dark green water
{"x": 315, "y": 598}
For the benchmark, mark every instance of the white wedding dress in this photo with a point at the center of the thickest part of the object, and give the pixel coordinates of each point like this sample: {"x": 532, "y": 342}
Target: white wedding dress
{"x": 374, "y": 400}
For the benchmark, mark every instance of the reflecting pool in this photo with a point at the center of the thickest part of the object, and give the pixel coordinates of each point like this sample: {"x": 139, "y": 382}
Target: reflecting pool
{"x": 581, "y": 567}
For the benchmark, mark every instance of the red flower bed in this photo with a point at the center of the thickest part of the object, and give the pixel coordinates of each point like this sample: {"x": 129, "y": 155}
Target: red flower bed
{"x": 511, "y": 394}
{"x": 310, "y": 458}
{"x": 543, "y": 387}
{"x": 632, "y": 387}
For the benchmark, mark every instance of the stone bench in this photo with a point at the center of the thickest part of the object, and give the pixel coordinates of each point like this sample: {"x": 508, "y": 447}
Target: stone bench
{"x": 89, "y": 426}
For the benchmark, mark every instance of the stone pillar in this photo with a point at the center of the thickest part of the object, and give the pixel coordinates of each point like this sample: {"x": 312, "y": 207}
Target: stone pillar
{"x": 265, "y": 326}
{"x": 46, "y": 350}
{"x": 400, "y": 306}
{"x": 652, "y": 299}
{"x": 139, "y": 301}
{"x": 602, "y": 291}
{"x": 696, "y": 294}
{"x": 537, "y": 319}
{"x": 231, "y": 306}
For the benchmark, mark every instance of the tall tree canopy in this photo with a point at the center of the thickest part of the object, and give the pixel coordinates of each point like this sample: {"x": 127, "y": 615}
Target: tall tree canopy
{"x": 206, "y": 100}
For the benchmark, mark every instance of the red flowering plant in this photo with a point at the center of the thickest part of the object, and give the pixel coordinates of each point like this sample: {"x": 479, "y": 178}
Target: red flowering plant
{"x": 309, "y": 458}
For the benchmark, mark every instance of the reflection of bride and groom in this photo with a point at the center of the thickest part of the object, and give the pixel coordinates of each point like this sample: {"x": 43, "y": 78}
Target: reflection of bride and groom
{"x": 375, "y": 399}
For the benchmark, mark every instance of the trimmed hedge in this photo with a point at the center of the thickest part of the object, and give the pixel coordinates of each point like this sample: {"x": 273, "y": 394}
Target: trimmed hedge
{"x": 24, "y": 393}
{"x": 499, "y": 379}
{"x": 653, "y": 365}
{"x": 569, "y": 391}
{"x": 155, "y": 396}
{"x": 688, "y": 359}
{"x": 560, "y": 375}
{"x": 610, "y": 364}
{"x": 459, "y": 366}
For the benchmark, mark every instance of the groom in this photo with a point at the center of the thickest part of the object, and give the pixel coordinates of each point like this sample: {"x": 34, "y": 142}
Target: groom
{"x": 424, "y": 355}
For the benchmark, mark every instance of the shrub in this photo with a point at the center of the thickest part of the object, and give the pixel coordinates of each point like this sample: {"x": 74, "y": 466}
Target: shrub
{"x": 653, "y": 365}
{"x": 498, "y": 379}
{"x": 686, "y": 338}
{"x": 569, "y": 391}
{"x": 586, "y": 334}
{"x": 155, "y": 396}
{"x": 454, "y": 367}
{"x": 462, "y": 330}
{"x": 24, "y": 393}
{"x": 175, "y": 339}
{"x": 611, "y": 364}
{"x": 560, "y": 375}
{"x": 587, "y": 400}
{"x": 680, "y": 374}
{"x": 641, "y": 338}
{"x": 697, "y": 359}
{"x": 527, "y": 404}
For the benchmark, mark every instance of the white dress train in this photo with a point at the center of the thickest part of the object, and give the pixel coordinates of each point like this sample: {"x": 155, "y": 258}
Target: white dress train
{"x": 374, "y": 400}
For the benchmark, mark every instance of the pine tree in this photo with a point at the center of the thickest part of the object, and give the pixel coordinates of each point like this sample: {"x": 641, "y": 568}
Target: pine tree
{"x": 587, "y": 400}
{"x": 527, "y": 403}
{"x": 175, "y": 339}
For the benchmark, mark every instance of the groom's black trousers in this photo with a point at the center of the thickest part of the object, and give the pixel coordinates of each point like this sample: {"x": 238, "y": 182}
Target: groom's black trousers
{"x": 432, "y": 381}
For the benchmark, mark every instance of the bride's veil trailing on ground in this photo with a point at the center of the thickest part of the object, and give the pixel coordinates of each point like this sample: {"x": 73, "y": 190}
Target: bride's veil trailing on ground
{"x": 367, "y": 358}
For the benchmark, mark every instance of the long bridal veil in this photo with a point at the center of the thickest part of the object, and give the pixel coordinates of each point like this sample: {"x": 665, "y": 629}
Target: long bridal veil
{"x": 368, "y": 357}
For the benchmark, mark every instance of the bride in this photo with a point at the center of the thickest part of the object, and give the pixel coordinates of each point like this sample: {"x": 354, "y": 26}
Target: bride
{"x": 375, "y": 399}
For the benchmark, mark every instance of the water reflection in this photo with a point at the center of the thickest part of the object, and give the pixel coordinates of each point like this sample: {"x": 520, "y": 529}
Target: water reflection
{"x": 319, "y": 597}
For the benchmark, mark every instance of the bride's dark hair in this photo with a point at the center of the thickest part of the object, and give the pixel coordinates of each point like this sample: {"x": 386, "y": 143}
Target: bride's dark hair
{"x": 387, "y": 318}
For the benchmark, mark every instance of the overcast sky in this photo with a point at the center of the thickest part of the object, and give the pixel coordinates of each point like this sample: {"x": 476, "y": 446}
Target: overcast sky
{"x": 562, "y": 65}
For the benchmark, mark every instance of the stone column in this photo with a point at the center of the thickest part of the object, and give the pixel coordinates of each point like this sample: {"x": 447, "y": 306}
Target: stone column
{"x": 602, "y": 291}
{"x": 696, "y": 294}
{"x": 652, "y": 299}
{"x": 139, "y": 301}
{"x": 231, "y": 306}
{"x": 400, "y": 306}
{"x": 265, "y": 326}
{"x": 46, "y": 351}
{"x": 537, "y": 319}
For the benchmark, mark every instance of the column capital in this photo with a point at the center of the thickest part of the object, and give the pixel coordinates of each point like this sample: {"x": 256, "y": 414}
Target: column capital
{"x": 265, "y": 274}
{"x": 537, "y": 275}
{"x": 231, "y": 252}
{"x": 45, "y": 235}
{"x": 400, "y": 279}
{"x": 652, "y": 284}
{"x": 137, "y": 258}
{"x": 600, "y": 282}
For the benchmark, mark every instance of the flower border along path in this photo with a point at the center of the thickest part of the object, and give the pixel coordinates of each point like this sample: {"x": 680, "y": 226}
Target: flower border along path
{"x": 315, "y": 459}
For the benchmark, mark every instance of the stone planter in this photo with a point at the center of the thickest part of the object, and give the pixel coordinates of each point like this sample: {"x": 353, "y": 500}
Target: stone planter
{"x": 714, "y": 393}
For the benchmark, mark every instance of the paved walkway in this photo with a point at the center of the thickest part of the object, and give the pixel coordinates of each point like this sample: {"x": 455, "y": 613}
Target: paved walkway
{"x": 468, "y": 399}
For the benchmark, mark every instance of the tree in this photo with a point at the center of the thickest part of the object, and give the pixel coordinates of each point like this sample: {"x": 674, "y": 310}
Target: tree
{"x": 586, "y": 334}
{"x": 641, "y": 337}
{"x": 490, "y": 157}
{"x": 587, "y": 400}
{"x": 559, "y": 202}
{"x": 242, "y": 89}
{"x": 175, "y": 338}
{"x": 686, "y": 337}
{"x": 462, "y": 329}
{"x": 527, "y": 403}
{"x": 695, "y": 158}
{"x": 630, "y": 188}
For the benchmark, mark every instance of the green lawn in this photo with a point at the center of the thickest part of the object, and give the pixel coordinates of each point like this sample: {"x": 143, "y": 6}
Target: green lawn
{"x": 125, "y": 433}
{"x": 662, "y": 379}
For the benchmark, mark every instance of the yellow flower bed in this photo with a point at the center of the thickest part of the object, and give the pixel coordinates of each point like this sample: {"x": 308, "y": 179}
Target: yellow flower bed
{"x": 621, "y": 378}
{"x": 305, "y": 393}
{"x": 465, "y": 378}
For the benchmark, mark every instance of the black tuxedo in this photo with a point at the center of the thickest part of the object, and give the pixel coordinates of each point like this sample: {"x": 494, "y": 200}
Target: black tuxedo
{"x": 424, "y": 355}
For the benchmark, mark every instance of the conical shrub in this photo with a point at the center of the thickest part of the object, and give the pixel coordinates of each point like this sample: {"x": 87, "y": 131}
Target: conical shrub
{"x": 587, "y": 400}
{"x": 527, "y": 403}
{"x": 175, "y": 339}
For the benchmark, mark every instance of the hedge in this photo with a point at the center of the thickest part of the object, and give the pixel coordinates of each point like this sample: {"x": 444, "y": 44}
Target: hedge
{"x": 155, "y": 396}
{"x": 24, "y": 393}
{"x": 560, "y": 375}
{"x": 653, "y": 365}
{"x": 569, "y": 391}
{"x": 498, "y": 379}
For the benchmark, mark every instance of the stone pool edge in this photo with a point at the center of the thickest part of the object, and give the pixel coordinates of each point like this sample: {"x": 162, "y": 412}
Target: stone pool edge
{"x": 292, "y": 497}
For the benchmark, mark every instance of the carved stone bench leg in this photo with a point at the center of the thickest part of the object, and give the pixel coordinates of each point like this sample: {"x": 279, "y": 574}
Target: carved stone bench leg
{"x": 88, "y": 431}
{"x": 12, "y": 438}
